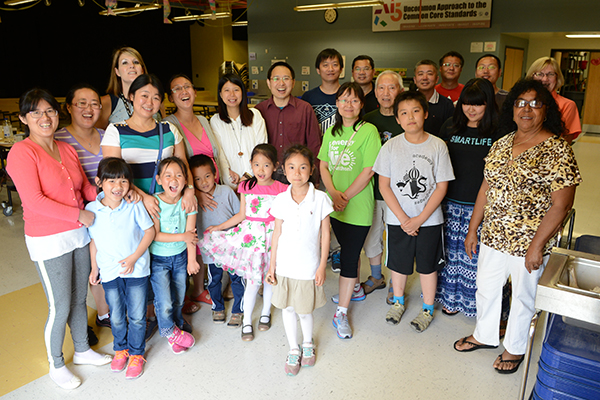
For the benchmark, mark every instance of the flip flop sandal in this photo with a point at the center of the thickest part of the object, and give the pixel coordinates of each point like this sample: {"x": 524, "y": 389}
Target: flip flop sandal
{"x": 203, "y": 297}
{"x": 264, "y": 326}
{"x": 450, "y": 313}
{"x": 474, "y": 347}
{"x": 247, "y": 336}
{"x": 514, "y": 369}
{"x": 189, "y": 307}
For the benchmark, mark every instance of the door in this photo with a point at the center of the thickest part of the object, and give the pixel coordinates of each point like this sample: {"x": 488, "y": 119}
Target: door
{"x": 591, "y": 117}
{"x": 513, "y": 67}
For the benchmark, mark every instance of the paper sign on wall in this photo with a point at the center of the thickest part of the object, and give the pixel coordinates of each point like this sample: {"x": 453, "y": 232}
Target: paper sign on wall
{"x": 431, "y": 14}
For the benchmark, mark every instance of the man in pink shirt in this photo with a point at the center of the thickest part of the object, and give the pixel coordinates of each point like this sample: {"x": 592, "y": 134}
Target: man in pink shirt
{"x": 289, "y": 120}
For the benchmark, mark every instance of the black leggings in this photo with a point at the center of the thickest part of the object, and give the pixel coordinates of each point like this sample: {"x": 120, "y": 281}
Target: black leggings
{"x": 351, "y": 239}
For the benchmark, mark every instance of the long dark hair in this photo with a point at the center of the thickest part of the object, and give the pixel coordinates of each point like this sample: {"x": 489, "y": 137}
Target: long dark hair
{"x": 477, "y": 92}
{"x": 352, "y": 88}
{"x": 553, "y": 122}
{"x": 267, "y": 150}
{"x": 245, "y": 113}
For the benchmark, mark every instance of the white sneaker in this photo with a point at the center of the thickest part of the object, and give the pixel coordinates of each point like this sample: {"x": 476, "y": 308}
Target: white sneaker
{"x": 340, "y": 322}
{"x": 357, "y": 295}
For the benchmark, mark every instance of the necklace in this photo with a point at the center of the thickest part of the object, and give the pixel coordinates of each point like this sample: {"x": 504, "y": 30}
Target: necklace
{"x": 235, "y": 135}
{"x": 525, "y": 141}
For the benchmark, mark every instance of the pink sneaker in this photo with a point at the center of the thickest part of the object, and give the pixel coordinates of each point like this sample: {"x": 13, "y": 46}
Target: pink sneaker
{"x": 135, "y": 367}
{"x": 308, "y": 354}
{"x": 181, "y": 338}
{"x": 119, "y": 361}
{"x": 177, "y": 349}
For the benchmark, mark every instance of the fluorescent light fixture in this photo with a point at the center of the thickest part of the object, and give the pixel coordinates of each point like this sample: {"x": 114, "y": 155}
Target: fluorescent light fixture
{"x": 17, "y": 2}
{"x": 137, "y": 8}
{"x": 347, "y": 4}
{"x": 240, "y": 23}
{"x": 584, "y": 36}
{"x": 201, "y": 16}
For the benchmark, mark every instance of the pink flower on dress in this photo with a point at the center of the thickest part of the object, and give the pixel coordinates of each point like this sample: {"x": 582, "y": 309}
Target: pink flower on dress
{"x": 255, "y": 202}
{"x": 248, "y": 238}
{"x": 236, "y": 229}
{"x": 256, "y": 249}
{"x": 254, "y": 209}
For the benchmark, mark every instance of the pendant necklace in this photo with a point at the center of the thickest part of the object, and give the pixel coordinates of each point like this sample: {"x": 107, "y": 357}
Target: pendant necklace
{"x": 238, "y": 140}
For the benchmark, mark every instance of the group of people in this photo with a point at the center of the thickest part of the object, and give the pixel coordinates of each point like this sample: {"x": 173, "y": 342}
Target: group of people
{"x": 139, "y": 201}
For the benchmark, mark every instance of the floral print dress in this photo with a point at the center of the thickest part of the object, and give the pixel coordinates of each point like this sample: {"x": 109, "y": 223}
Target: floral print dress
{"x": 245, "y": 250}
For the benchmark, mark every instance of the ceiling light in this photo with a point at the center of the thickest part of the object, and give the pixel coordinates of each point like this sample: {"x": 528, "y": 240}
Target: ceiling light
{"x": 137, "y": 8}
{"x": 17, "y": 2}
{"x": 240, "y": 23}
{"x": 347, "y": 4}
{"x": 201, "y": 16}
{"x": 584, "y": 36}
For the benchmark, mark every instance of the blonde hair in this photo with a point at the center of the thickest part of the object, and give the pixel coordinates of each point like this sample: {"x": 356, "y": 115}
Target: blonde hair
{"x": 114, "y": 83}
{"x": 541, "y": 63}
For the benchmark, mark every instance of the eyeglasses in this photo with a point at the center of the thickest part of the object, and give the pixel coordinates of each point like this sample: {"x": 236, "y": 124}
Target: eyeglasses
{"x": 540, "y": 75}
{"x": 285, "y": 79}
{"x": 364, "y": 69}
{"x": 180, "y": 88}
{"x": 85, "y": 104}
{"x": 532, "y": 103}
{"x": 37, "y": 114}
{"x": 488, "y": 67}
{"x": 354, "y": 102}
{"x": 455, "y": 65}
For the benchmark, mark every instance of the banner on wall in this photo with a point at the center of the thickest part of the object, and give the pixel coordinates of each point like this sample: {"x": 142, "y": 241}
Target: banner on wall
{"x": 410, "y": 15}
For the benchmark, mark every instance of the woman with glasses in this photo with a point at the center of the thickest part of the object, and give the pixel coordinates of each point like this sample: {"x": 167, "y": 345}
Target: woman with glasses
{"x": 528, "y": 188}
{"x": 347, "y": 155}
{"x": 127, "y": 64}
{"x": 53, "y": 187}
{"x": 84, "y": 106}
{"x": 198, "y": 138}
{"x": 547, "y": 71}
{"x": 238, "y": 128}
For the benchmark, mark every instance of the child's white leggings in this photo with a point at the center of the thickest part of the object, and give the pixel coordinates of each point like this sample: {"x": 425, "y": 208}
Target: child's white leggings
{"x": 291, "y": 326}
{"x": 250, "y": 300}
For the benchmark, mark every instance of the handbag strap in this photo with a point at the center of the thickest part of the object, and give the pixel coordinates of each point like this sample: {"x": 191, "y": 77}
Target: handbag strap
{"x": 345, "y": 147}
{"x": 160, "y": 150}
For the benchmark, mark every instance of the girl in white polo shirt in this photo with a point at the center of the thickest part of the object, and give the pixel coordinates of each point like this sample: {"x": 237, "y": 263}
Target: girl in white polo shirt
{"x": 299, "y": 251}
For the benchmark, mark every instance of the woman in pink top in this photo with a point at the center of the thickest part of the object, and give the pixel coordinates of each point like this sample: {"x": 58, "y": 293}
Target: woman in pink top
{"x": 52, "y": 187}
{"x": 547, "y": 71}
{"x": 199, "y": 139}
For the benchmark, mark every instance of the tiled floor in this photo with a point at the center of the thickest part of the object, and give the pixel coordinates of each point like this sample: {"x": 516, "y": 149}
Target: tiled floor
{"x": 381, "y": 361}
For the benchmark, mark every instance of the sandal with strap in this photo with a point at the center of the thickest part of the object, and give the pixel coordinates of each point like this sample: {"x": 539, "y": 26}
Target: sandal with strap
{"x": 474, "y": 346}
{"x": 247, "y": 336}
{"x": 189, "y": 307}
{"x": 512, "y": 370}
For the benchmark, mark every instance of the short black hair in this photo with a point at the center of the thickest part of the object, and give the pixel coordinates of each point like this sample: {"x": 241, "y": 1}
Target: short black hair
{"x": 489, "y": 55}
{"x": 427, "y": 62}
{"x": 147, "y": 79}
{"x": 113, "y": 168}
{"x": 363, "y": 57}
{"x": 453, "y": 54}
{"x": 410, "y": 95}
{"x": 71, "y": 93}
{"x": 200, "y": 160}
{"x": 30, "y": 99}
{"x": 329, "y": 53}
{"x": 281, "y": 64}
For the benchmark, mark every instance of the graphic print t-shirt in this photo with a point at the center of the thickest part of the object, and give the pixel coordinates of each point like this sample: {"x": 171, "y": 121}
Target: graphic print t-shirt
{"x": 324, "y": 106}
{"x": 414, "y": 171}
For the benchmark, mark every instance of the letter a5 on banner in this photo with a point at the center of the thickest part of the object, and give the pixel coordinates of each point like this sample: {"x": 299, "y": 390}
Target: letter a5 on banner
{"x": 410, "y": 15}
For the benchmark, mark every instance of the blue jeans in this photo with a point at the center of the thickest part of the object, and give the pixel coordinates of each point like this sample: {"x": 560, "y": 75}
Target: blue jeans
{"x": 126, "y": 298}
{"x": 168, "y": 278}
{"x": 215, "y": 275}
